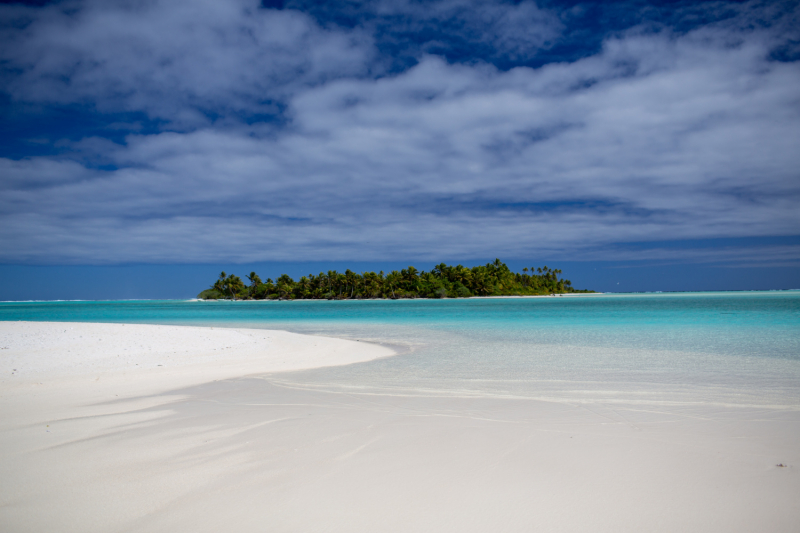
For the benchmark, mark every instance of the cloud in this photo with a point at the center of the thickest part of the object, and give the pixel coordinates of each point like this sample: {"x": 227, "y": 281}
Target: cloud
{"x": 514, "y": 31}
{"x": 178, "y": 60}
{"x": 660, "y": 136}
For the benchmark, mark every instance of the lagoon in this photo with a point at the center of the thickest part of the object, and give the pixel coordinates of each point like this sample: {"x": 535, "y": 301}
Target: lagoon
{"x": 729, "y": 347}
{"x": 617, "y": 412}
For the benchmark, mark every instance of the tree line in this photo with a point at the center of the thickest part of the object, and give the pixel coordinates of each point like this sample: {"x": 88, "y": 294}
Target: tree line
{"x": 443, "y": 281}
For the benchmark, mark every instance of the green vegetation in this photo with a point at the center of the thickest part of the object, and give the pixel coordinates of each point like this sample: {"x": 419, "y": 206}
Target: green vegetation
{"x": 443, "y": 281}
{"x": 210, "y": 294}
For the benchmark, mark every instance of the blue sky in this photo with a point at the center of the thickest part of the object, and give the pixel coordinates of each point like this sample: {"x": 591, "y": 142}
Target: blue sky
{"x": 659, "y": 138}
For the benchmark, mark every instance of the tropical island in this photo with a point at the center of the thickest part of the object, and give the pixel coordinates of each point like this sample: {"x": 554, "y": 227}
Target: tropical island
{"x": 443, "y": 281}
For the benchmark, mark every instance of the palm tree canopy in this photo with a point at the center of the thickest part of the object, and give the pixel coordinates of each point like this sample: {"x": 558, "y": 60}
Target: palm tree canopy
{"x": 442, "y": 280}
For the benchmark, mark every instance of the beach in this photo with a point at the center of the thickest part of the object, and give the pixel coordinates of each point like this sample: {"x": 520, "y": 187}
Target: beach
{"x": 399, "y": 266}
{"x": 67, "y": 383}
{"x": 224, "y": 435}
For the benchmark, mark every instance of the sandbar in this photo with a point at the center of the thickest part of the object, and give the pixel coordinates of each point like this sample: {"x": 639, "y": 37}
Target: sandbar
{"x": 226, "y": 435}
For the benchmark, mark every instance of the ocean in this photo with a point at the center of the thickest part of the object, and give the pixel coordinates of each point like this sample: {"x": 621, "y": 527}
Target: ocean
{"x": 722, "y": 348}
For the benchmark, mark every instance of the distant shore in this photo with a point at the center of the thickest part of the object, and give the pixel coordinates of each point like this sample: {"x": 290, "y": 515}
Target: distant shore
{"x": 442, "y": 281}
{"x": 569, "y": 294}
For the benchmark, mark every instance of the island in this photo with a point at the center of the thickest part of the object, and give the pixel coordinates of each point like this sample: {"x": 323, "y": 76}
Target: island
{"x": 442, "y": 281}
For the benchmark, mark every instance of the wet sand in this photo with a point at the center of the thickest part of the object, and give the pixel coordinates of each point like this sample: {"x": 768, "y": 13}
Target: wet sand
{"x": 227, "y": 439}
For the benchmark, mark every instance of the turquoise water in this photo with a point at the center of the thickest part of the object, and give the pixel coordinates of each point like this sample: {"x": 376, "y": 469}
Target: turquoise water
{"x": 727, "y": 348}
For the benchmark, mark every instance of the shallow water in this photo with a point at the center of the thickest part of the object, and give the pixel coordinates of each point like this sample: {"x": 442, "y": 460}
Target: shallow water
{"x": 677, "y": 348}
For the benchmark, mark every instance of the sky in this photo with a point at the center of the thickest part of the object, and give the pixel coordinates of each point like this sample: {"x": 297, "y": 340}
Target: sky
{"x": 654, "y": 143}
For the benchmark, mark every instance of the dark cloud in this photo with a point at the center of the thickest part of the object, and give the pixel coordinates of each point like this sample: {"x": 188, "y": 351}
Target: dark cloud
{"x": 281, "y": 136}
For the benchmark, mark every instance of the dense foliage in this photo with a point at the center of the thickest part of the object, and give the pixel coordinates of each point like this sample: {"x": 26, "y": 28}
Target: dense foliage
{"x": 443, "y": 281}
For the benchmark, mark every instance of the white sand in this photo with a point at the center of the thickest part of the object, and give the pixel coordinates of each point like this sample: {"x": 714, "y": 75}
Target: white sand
{"x": 568, "y": 294}
{"x": 101, "y": 444}
{"x": 75, "y": 365}
{"x": 146, "y": 359}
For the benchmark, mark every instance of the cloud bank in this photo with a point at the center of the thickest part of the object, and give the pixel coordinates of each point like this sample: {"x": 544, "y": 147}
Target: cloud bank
{"x": 280, "y": 134}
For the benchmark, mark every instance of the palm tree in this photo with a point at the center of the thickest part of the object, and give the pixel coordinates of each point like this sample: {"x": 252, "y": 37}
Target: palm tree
{"x": 255, "y": 281}
{"x": 462, "y": 275}
{"x": 392, "y": 278}
{"x": 232, "y": 284}
{"x": 350, "y": 281}
{"x": 491, "y": 278}
{"x": 481, "y": 283}
{"x": 410, "y": 277}
{"x": 332, "y": 277}
{"x": 303, "y": 284}
{"x": 285, "y": 286}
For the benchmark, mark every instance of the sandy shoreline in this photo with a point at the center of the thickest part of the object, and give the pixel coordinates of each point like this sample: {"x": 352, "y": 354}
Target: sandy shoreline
{"x": 570, "y": 294}
{"x": 96, "y": 436}
{"x": 85, "y": 379}
{"x": 73, "y": 365}
{"x": 147, "y": 357}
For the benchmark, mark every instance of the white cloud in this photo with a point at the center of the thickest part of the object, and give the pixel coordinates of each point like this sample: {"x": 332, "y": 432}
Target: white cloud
{"x": 173, "y": 59}
{"x": 658, "y": 137}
